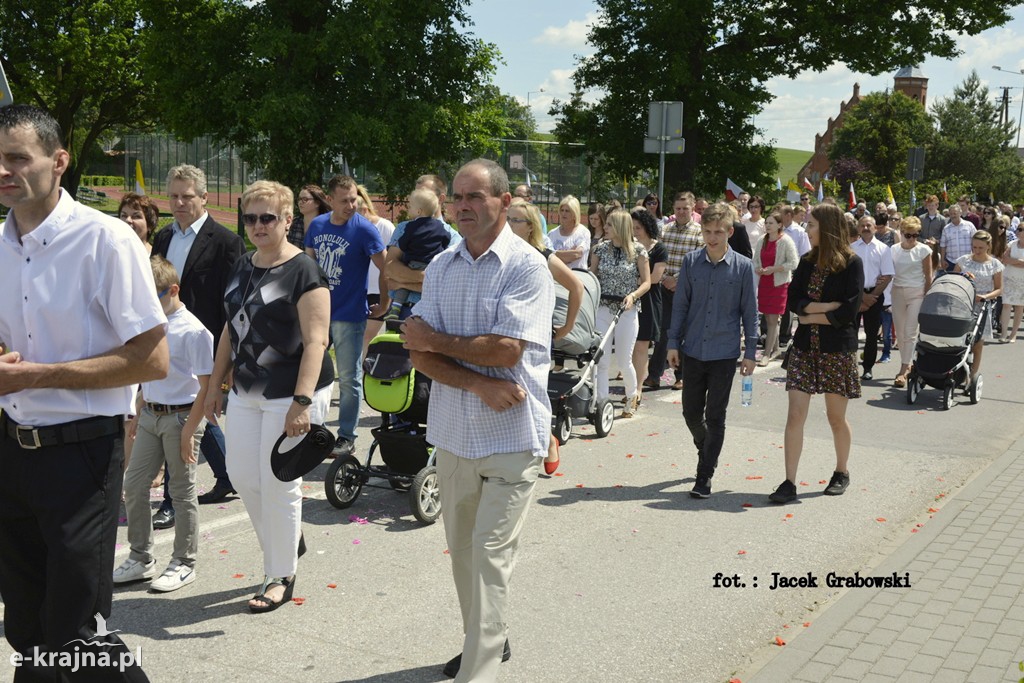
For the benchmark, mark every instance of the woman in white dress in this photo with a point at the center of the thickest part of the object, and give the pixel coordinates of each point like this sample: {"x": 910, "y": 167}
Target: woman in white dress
{"x": 987, "y": 273}
{"x": 1013, "y": 286}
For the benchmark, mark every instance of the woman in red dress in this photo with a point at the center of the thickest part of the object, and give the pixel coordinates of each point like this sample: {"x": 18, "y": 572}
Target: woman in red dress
{"x": 775, "y": 259}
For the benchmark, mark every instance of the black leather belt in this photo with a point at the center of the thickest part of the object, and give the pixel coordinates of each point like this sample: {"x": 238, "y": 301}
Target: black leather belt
{"x": 162, "y": 409}
{"x": 88, "y": 429}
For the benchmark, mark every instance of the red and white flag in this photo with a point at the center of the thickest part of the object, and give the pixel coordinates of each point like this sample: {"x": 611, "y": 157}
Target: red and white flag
{"x": 853, "y": 196}
{"x": 732, "y": 190}
{"x": 808, "y": 184}
{"x": 945, "y": 194}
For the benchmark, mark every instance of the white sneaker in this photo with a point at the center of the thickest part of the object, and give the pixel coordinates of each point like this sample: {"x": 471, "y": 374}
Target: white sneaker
{"x": 133, "y": 570}
{"x": 174, "y": 577}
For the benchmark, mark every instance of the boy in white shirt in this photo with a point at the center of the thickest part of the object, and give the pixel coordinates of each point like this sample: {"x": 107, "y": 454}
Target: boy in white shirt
{"x": 168, "y": 425}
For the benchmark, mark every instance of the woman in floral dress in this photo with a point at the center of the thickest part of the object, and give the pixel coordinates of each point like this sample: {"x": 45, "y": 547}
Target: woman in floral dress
{"x": 825, "y": 294}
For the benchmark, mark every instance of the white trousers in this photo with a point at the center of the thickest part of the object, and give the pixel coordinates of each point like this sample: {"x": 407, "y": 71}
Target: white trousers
{"x": 906, "y": 306}
{"x": 254, "y": 424}
{"x": 625, "y": 339}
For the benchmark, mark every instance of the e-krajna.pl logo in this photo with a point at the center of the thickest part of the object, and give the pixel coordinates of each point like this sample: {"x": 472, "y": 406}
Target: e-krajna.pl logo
{"x": 81, "y": 657}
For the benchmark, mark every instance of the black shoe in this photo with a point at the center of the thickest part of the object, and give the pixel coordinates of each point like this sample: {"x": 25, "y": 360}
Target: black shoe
{"x": 218, "y": 493}
{"x": 702, "y": 488}
{"x": 302, "y": 544}
{"x": 786, "y": 493}
{"x": 838, "y": 484}
{"x": 344, "y": 447}
{"x": 451, "y": 669}
{"x": 867, "y": 375}
{"x": 164, "y": 518}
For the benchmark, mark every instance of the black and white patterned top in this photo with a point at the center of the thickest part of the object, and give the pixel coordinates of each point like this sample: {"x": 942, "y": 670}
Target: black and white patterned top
{"x": 617, "y": 275}
{"x": 263, "y": 325}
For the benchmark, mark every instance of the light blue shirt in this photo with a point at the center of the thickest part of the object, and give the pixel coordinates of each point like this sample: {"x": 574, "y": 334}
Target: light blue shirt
{"x": 181, "y": 243}
{"x": 712, "y": 300}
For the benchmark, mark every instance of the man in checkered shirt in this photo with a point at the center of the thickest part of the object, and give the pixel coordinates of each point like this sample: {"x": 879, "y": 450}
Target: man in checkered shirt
{"x": 680, "y": 238}
{"x": 482, "y": 332}
{"x": 956, "y": 237}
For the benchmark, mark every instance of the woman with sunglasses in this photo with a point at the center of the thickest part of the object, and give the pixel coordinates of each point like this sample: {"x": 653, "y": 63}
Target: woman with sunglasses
{"x": 913, "y": 265}
{"x": 278, "y": 309}
{"x": 1013, "y": 285}
{"x": 312, "y": 203}
{"x": 653, "y": 204}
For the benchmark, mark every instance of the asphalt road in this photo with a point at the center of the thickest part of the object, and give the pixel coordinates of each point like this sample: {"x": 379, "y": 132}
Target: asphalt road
{"x": 615, "y": 580}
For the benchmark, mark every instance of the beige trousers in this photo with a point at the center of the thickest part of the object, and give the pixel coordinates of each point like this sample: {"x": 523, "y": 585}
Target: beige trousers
{"x": 484, "y": 504}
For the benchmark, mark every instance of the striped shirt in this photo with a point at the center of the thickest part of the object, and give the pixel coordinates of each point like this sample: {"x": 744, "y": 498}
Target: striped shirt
{"x": 507, "y": 291}
{"x": 679, "y": 240}
{"x": 956, "y": 239}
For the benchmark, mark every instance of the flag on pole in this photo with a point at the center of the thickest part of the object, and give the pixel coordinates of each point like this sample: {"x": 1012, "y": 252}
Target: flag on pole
{"x": 778, "y": 183}
{"x": 889, "y": 199}
{"x": 991, "y": 199}
{"x": 853, "y": 196}
{"x": 732, "y": 190}
{"x": 792, "y": 192}
{"x": 945, "y": 195}
{"x": 821, "y": 193}
{"x": 807, "y": 185}
{"x": 140, "y": 182}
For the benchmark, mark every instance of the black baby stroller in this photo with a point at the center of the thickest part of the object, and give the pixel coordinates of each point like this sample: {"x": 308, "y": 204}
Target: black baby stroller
{"x": 392, "y": 386}
{"x": 572, "y": 393}
{"x": 950, "y": 323}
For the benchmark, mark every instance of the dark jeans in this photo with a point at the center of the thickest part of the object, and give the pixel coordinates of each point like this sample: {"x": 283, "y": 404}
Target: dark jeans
{"x": 872, "y": 326}
{"x": 213, "y": 449}
{"x": 658, "y": 363}
{"x": 58, "y": 526}
{"x": 706, "y": 389}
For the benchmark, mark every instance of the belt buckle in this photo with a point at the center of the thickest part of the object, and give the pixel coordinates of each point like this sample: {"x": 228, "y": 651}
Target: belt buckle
{"x": 33, "y": 442}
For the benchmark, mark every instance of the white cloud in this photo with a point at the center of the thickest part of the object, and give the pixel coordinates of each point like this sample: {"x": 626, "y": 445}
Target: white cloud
{"x": 988, "y": 48}
{"x": 572, "y": 34}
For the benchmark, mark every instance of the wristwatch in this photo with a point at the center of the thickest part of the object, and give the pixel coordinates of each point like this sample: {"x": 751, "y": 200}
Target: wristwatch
{"x": 302, "y": 400}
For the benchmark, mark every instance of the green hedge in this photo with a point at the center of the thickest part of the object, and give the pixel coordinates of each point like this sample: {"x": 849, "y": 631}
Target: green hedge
{"x": 102, "y": 180}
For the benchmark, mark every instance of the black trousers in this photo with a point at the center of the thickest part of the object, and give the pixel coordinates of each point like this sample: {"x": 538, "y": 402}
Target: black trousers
{"x": 659, "y": 356}
{"x": 706, "y": 389}
{"x": 872, "y": 326}
{"x": 58, "y": 525}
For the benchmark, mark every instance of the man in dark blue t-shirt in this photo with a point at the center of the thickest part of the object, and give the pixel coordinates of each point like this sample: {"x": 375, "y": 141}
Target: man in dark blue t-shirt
{"x": 344, "y": 243}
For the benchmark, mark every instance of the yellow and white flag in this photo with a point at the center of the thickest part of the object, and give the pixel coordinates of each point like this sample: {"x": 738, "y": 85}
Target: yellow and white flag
{"x": 140, "y": 182}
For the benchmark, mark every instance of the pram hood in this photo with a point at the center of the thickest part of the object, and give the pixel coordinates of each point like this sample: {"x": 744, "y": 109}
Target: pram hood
{"x": 948, "y": 308}
{"x": 584, "y": 336}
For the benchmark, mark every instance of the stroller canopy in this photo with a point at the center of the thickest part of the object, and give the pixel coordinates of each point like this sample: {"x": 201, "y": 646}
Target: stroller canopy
{"x": 583, "y": 336}
{"x": 948, "y": 308}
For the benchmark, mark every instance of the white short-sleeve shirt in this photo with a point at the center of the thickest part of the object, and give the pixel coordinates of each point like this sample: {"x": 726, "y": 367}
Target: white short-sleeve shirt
{"x": 79, "y": 285}
{"x": 191, "y": 348}
{"x": 578, "y": 238}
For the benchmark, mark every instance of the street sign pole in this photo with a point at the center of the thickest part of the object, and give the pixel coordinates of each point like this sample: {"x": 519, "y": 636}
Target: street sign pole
{"x": 664, "y": 136}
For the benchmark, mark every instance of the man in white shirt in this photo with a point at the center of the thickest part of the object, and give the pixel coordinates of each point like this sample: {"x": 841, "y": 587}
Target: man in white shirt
{"x": 878, "y": 273}
{"x": 80, "y": 323}
{"x": 803, "y": 245}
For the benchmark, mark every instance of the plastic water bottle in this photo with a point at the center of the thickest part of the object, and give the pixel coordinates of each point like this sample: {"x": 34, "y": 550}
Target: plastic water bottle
{"x": 747, "y": 391}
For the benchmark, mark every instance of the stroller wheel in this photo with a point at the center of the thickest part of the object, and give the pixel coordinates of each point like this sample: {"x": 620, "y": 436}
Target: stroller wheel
{"x": 424, "y": 496}
{"x": 913, "y": 387}
{"x": 344, "y": 482}
{"x": 947, "y": 396}
{"x": 563, "y": 429}
{"x": 604, "y": 418}
{"x": 975, "y": 391}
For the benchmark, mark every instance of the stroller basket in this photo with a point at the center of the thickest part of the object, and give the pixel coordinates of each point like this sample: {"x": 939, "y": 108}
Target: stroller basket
{"x": 404, "y": 452}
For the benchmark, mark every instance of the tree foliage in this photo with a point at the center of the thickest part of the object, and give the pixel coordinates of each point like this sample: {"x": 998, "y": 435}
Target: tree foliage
{"x": 78, "y": 59}
{"x": 971, "y": 143}
{"x": 715, "y": 56}
{"x": 880, "y": 131}
{"x": 394, "y": 84}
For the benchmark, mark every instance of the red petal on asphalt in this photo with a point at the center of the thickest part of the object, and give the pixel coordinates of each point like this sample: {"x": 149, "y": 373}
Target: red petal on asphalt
{"x": 789, "y": 515}
{"x": 939, "y": 479}
{"x": 742, "y": 552}
{"x": 920, "y": 525}
{"x": 748, "y": 505}
{"x": 913, "y": 531}
{"x": 629, "y": 455}
{"x": 779, "y": 641}
{"x": 446, "y": 552}
{"x": 238, "y": 576}
{"x": 332, "y": 585}
{"x": 932, "y": 510}
{"x": 618, "y": 486}
{"x": 804, "y": 483}
{"x": 806, "y": 624}
{"x": 735, "y": 680}
{"x": 822, "y": 481}
{"x": 579, "y": 486}
{"x": 653, "y": 434}
{"x": 750, "y": 460}
{"x": 920, "y": 412}
{"x": 356, "y": 541}
{"x": 785, "y": 626}
{"x": 879, "y": 519}
{"x": 305, "y": 488}
{"x": 754, "y": 477}
{"x": 559, "y": 474}
{"x": 299, "y": 601}
{"x": 223, "y": 552}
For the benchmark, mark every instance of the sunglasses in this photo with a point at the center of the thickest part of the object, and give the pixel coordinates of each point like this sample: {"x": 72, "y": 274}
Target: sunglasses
{"x": 911, "y": 235}
{"x": 250, "y": 219}
{"x": 518, "y": 221}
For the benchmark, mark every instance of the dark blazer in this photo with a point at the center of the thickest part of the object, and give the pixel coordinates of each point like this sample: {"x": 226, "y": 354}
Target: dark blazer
{"x": 210, "y": 261}
{"x": 846, "y": 287}
{"x": 740, "y": 241}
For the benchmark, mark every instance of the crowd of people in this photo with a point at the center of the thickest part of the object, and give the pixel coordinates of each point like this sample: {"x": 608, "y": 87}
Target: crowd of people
{"x": 178, "y": 329}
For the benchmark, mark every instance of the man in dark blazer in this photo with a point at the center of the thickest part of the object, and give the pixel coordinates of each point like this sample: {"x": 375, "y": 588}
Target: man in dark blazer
{"x": 203, "y": 252}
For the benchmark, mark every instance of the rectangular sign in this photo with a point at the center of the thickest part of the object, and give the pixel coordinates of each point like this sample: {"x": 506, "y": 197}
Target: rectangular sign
{"x": 665, "y": 118}
{"x": 673, "y": 146}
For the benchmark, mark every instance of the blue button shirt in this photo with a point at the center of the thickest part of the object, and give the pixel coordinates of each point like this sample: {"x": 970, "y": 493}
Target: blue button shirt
{"x": 711, "y": 301}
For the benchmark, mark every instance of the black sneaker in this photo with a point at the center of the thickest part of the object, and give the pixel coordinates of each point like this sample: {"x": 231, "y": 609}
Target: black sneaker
{"x": 702, "y": 488}
{"x": 451, "y": 669}
{"x": 867, "y": 376}
{"x": 838, "y": 484}
{"x": 786, "y": 493}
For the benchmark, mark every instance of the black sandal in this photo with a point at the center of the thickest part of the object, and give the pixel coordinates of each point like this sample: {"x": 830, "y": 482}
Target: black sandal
{"x": 269, "y": 605}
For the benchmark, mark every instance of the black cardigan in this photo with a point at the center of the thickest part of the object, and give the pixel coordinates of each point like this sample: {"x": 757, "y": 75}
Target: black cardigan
{"x": 846, "y": 287}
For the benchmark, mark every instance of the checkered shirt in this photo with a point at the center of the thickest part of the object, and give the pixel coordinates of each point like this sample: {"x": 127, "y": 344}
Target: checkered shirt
{"x": 956, "y": 239}
{"x": 507, "y": 291}
{"x": 679, "y": 240}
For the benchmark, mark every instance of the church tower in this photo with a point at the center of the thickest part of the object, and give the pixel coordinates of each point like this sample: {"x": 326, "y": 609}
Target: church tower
{"x": 912, "y": 83}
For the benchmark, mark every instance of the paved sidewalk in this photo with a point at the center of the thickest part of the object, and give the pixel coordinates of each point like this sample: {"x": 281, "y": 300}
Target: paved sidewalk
{"x": 961, "y": 620}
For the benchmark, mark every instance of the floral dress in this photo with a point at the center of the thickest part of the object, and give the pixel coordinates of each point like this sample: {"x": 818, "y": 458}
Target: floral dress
{"x": 618, "y": 276}
{"x": 820, "y": 372}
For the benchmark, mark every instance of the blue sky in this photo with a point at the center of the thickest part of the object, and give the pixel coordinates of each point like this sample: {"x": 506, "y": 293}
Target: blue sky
{"x": 539, "y": 46}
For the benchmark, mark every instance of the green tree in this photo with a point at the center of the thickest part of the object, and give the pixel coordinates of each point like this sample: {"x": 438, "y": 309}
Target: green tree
{"x": 715, "y": 56}
{"x": 880, "y": 131}
{"x": 79, "y": 60}
{"x": 972, "y": 144}
{"x": 393, "y": 84}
